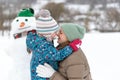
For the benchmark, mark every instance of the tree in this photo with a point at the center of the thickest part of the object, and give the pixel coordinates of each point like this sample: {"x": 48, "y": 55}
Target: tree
{"x": 104, "y": 2}
{"x": 1, "y": 20}
{"x": 56, "y": 9}
{"x": 1, "y": 15}
{"x": 110, "y": 21}
{"x": 92, "y": 4}
{"x": 113, "y": 17}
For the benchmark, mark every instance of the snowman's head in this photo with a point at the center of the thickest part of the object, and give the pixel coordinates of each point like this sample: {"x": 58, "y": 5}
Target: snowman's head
{"x": 24, "y": 21}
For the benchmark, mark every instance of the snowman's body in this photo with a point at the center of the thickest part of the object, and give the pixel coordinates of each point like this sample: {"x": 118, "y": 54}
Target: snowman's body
{"x": 21, "y": 60}
{"x": 6, "y": 63}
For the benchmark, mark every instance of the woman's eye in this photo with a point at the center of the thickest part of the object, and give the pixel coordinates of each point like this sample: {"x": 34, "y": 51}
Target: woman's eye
{"x": 26, "y": 19}
{"x": 60, "y": 32}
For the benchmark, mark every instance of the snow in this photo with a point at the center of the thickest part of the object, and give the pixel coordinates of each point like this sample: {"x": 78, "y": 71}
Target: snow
{"x": 5, "y": 65}
{"x": 101, "y": 49}
{"x": 114, "y": 5}
{"x": 14, "y": 59}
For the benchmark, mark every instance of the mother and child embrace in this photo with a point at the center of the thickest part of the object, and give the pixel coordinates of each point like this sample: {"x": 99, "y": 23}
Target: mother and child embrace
{"x": 66, "y": 61}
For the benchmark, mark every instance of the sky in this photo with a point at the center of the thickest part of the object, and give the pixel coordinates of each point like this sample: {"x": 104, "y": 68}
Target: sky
{"x": 101, "y": 50}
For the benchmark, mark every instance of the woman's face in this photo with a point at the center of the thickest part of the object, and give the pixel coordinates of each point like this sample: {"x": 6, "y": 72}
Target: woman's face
{"x": 61, "y": 36}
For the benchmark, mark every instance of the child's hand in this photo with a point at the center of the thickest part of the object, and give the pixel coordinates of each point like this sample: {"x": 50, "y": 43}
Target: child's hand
{"x": 19, "y": 35}
{"x": 33, "y": 31}
{"x": 75, "y": 44}
{"x": 51, "y": 37}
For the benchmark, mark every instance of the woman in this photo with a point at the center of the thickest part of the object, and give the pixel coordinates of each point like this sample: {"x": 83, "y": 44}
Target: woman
{"x": 75, "y": 66}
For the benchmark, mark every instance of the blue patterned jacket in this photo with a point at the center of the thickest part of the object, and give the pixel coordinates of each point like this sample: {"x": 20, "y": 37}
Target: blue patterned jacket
{"x": 44, "y": 51}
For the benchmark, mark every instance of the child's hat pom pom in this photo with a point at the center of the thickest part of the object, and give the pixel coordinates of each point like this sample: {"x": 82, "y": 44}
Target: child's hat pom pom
{"x": 44, "y": 13}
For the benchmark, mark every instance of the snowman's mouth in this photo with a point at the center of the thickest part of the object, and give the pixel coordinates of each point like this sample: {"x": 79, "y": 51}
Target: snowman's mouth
{"x": 24, "y": 27}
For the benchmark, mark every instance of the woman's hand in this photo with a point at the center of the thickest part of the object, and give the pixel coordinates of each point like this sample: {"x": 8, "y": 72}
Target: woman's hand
{"x": 45, "y": 71}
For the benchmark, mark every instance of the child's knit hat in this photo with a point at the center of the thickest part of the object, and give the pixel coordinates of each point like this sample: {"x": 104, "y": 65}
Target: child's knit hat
{"x": 46, "y": 23}
{"x": 73, "y": 31}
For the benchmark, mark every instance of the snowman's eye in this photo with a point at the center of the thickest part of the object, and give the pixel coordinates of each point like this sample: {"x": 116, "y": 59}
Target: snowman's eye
{"x": 17, "y": 20}
{"x": 26, "y": 19}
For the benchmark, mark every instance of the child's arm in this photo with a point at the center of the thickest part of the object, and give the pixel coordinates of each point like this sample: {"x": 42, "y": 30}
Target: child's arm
{"x": 41, "y": 45}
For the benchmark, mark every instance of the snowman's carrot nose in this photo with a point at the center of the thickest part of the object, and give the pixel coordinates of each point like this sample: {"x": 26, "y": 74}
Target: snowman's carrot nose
{"x": 22, "y": 24}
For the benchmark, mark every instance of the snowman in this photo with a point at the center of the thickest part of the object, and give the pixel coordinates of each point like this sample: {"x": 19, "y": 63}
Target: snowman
{"x": 25, "y": 21}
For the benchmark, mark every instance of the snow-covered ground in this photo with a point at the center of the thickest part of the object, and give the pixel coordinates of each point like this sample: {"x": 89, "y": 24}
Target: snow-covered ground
{"x": 103, "y": 53}
{"x": 101, "y": 49}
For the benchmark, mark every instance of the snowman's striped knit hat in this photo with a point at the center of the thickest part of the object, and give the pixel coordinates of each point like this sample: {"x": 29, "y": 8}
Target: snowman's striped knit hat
{"x": 46, "y": 23}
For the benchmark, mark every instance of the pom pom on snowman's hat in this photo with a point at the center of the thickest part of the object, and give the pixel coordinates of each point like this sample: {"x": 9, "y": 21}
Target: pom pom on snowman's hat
{"x": 27, "y": 12}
